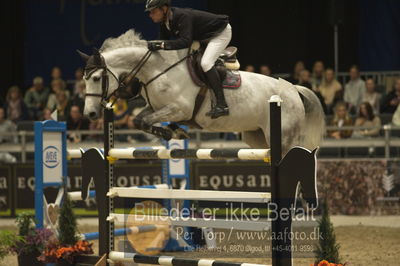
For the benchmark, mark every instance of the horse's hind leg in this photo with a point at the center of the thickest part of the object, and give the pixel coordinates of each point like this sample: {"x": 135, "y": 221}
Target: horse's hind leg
{"x": 255, "y": 139}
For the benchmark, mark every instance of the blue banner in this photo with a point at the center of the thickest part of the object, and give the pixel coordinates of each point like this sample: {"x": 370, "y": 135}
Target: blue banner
{"x": 56, "y": 28}
{"x": 379, "y": 35}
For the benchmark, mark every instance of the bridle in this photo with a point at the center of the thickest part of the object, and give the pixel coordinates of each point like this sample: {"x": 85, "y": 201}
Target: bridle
{"x": 122, "y": 82}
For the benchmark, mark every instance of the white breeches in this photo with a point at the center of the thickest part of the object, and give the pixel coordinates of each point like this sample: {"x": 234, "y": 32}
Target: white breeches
{"x": 215, "y": 48}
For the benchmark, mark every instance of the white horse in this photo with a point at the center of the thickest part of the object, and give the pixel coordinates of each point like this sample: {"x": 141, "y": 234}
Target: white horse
{"x": 172, "y": 96}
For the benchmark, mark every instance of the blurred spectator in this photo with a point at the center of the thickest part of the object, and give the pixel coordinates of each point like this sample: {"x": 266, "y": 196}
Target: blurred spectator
{"x": 96, "y": 124}
{"x": 371, "y": 96}
{"x": 63, "y": 106}
{"x": 36, "y": 98}
{"x": 354, "y": 89}
{"x": 330, "y": 89}
{"x": 47, "y": 114}
{"x": 57, "y": 85}
{"x": 367, "y": 118}
{"x": 341, "y": 118}
{"x": 78, "y": 80}
{"x": 265, "y": 70}
{"x": 317, "y": 74}
{"x": 304, "y": 81}
{"x": 7, "y": 126}
{"x": 15, "y": 108}
{"x": 121, "y": 114}
{"x": 121, "y": 117}
{"x": 295, "y": 77}
{"x": 56, "y": 73}
{"x": 249, "y": 68}
{"x": 392, "y": 99}
{"x": 79, "y": 96}
{"x": 76, "y": 121}
{"x": 396, "y": 117}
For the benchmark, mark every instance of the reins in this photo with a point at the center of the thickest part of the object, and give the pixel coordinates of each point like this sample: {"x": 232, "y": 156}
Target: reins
{"x": 144, "y": 85}
{"x": 128, "y": 78}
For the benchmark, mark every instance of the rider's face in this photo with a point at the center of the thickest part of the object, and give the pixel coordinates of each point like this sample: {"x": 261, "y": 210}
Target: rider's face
{"x": 157, "y": 15}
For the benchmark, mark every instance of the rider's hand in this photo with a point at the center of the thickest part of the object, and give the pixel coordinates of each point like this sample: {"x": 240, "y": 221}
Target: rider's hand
{"x": 155, "y": 45}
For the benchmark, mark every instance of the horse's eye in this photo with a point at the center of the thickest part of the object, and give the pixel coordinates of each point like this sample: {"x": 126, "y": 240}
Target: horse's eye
{"x": 96, "y": 79}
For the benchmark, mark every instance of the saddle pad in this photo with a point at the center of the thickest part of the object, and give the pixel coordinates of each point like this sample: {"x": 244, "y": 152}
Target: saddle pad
{"x": 232, "y": 80}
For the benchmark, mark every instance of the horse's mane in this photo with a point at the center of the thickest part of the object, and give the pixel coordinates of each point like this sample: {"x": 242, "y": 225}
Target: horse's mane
{"x": 128, "y": 39}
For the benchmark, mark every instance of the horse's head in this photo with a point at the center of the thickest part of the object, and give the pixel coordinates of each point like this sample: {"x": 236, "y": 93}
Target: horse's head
{"x": 100, "y": 83}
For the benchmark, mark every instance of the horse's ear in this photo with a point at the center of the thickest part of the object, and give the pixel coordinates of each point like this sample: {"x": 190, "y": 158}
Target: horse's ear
{"x": 96, "y": 51}
{"x": 84, "y": 56}
{"x": 98, "y": 59}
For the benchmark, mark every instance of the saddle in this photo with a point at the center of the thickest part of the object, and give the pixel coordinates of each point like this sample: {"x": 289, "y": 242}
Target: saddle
{"x": 227, "y": 66}
{"x": 228, "y": 69}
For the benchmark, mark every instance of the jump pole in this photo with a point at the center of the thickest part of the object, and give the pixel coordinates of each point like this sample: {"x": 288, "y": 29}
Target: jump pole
{"x": 77, "y": 195}
{"x": 280, "y": 255}
{"x": 106, "y": 228}
{"x": 125, "y": 231}
{"x": 171, "y": 261}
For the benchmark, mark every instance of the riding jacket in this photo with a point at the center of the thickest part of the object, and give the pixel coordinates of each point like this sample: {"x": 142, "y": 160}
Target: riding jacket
{"x": 186, "y": 25}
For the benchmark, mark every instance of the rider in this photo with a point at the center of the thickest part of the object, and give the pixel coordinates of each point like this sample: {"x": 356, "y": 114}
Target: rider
{"x": 180, "y": 26}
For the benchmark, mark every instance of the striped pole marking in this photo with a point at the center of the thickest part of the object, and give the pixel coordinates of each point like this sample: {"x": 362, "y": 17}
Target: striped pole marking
{"x": 171, "y": 261}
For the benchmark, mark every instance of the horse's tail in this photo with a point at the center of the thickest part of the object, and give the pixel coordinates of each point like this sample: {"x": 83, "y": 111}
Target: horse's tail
{"x": 314, "y": 125}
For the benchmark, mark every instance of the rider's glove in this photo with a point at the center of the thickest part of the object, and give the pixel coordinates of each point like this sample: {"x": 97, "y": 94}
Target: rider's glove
{"x": 155, "y": 45}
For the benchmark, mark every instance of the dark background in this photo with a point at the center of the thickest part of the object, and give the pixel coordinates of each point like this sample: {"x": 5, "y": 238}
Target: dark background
{"x": 40, "y": 34}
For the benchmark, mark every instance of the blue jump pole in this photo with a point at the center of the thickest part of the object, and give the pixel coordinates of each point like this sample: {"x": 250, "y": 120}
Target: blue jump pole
{"x": 95, "y": 235}
{"x": 121, "y": 232}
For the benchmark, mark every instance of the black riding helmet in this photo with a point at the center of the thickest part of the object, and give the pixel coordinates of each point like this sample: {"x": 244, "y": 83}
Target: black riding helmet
{"x": 151, "y": 4}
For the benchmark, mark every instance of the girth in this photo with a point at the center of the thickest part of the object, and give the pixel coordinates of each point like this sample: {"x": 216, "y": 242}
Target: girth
{"x": 197, "y": 105}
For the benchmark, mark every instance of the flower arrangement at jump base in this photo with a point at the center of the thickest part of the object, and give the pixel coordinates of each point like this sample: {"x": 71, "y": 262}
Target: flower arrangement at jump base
{"x": 28, "y": 242}
{"x": 326, "y": 263}
{"x": 66, "y": 247}
{"x": 57, "y": 253}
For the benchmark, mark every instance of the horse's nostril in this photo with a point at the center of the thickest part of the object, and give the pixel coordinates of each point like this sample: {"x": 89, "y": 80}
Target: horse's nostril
{"x": 92, "y": 115}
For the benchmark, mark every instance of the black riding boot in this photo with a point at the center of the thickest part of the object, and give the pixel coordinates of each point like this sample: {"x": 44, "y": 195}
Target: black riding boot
{"x": 221, "y": 108}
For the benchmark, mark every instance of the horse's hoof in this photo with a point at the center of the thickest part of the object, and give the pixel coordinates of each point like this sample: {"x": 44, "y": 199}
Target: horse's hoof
{"x": 180, "y": 134}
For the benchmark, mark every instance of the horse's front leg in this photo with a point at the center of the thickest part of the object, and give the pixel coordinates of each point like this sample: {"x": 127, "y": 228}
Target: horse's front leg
{"x": 170, "y": 113}
{"x": 141, "y": 124}
{"x": 147, "y": 118}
